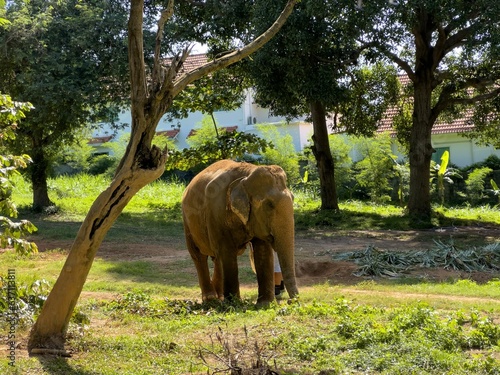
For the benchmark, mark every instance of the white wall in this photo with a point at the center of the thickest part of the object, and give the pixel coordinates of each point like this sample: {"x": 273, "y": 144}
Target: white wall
{"x": 463, "y": 151}
{"x": 248, "y": 112}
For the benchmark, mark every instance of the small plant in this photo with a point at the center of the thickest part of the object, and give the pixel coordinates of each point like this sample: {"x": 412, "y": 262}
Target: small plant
{"x": 402, "y": 172}
{"x": 377, "y": 166}
{"x": 441, "y": 174}
{"x": 237, "y": 354}
{"x": 27, "y": 299}
{"x": 495, "y": 190}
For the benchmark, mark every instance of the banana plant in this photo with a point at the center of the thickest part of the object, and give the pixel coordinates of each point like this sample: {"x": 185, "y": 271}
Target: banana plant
{"x": 495, "y": 190}
{"x": 443, "y": 174}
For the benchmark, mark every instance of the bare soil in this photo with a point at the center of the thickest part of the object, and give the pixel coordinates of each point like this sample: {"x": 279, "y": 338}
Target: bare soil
{"x": 314, "y": 263}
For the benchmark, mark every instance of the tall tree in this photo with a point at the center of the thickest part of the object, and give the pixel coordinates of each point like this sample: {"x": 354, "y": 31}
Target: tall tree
{"x": 151, "y": 96}
{"x": 308, "y": 69}
{"x": 69, "y": 59}
{"x": 450, "y": 51}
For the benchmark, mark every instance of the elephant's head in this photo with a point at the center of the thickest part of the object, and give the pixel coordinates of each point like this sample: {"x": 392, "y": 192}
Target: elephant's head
{"x": 264, "y": 205}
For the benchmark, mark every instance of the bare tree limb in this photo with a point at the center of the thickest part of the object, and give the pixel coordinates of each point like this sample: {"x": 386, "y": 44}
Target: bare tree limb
{"x": 477, "y": 98}
{"x": 166, "y": 14}
{"x": 446, "y": 100}
{"x": 235, "y": 56}
{"x": 138, "y": 82}
{"x": 402, "y": 64}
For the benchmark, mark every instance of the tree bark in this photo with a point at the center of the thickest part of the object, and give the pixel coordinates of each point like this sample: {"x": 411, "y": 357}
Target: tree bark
{"x": 324, "y": 158}
{"x": 420, "y": 154}
{"x": 141, "y": 164}
{"x": 38, "y": 172}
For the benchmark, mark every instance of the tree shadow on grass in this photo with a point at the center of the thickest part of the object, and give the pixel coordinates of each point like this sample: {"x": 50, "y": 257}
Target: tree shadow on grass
{"x": 349, "y": 219}
{"x": 153, "y": 225}
{"x": 56, "y": 365}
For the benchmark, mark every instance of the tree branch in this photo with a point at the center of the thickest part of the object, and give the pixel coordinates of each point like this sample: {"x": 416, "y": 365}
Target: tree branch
{"x": 138, "y": 82}
{"x": 445, "y": 98}
{"x": 458, "y": 39}
{"x": 166, "y": 14}
{"x": 477, "y": 98}
{"x": 235, "y": 56}
{"x": 402, "y": 64}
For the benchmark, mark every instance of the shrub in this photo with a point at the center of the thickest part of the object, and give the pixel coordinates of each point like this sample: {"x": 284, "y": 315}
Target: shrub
{"x": 25, "y": 300}
{"x": 12, "y": 232}
{"x": 283, "y": 153}
{"x": 377, "y": 166}
{"x": 475, "y": 183}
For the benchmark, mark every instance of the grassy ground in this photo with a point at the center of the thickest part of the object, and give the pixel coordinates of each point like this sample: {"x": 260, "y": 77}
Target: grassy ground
{"x": 141, "y": 316}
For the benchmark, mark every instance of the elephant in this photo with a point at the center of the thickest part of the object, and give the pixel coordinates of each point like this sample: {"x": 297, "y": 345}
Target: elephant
{"x": 229, "y": 206}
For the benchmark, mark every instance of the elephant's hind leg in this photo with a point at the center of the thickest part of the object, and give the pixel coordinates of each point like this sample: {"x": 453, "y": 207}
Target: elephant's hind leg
{"x": 217, "y": 278}
{"x": 201, "y": 263}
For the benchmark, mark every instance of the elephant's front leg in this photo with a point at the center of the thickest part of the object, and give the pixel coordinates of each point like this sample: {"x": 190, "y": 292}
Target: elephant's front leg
{"x": 264, "y": 268}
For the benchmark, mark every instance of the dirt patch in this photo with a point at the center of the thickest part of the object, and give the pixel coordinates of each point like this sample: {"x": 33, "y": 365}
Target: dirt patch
{"x": 314, "y": 251}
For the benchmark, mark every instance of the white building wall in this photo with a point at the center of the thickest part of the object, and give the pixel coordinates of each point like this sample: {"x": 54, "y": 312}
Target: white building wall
{"x": 463, "y": 151}
{"x": 245, "y": 118}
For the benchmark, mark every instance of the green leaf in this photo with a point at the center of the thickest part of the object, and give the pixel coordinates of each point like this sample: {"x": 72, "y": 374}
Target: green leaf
{"x": 494, "y": 185}
{"x": 445, "y": 158}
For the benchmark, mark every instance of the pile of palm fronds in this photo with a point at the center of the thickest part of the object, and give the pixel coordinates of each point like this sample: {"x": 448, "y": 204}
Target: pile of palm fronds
{"x": 377, "y": 262}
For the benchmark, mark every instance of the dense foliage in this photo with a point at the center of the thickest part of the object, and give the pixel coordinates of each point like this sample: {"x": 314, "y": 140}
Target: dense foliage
{"x": 449, "y": 52}
{"x": 69, "y": 59}
{"x": 12, "y": 233}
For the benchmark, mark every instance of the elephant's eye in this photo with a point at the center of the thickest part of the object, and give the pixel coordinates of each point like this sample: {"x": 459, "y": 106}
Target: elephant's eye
{"x": 269, "y": 204}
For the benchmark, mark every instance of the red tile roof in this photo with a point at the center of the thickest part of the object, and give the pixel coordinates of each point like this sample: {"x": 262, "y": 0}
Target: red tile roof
{"x": 192, "y": 62}
{"x": 460, "y": 125}
{"x": 168, "y": 133}
{"x": 100, "y": 140}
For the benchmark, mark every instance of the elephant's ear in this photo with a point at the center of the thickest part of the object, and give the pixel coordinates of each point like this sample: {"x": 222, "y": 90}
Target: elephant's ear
{"x": 238, "y": 200}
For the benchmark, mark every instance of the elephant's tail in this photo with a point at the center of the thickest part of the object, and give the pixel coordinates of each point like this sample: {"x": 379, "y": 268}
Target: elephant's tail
{"x": 250, "y": 255}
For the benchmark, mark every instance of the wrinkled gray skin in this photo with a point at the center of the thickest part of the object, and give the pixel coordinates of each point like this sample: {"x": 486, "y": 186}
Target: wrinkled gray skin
{"x": 225, "y": 207}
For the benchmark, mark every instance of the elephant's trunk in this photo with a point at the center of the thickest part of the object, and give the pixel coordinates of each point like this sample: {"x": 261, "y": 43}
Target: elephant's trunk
{"x": 284, "y": 245}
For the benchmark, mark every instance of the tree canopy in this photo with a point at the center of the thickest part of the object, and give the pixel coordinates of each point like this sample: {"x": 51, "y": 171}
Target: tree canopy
{"x": 69, "y": 59}
{"x": 450, "y": 52}
{"x": 311, "y": 69}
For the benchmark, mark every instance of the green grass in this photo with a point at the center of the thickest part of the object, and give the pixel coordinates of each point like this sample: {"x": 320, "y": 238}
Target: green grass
{"x": 141, "y": 316}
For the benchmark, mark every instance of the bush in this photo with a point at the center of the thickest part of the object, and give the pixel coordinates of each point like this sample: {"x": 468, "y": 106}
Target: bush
{"x": 376, "y": 168}
{"x": 12, "y": 233}
{"x": 101, "y": 164}
{"x": 26, "y": 300}
{"x": 475, "y": 184}
{"x": 283, "y": 153}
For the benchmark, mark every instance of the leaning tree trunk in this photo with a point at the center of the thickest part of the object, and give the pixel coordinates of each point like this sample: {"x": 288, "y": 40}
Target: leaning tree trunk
{"x": 50, "y": 328}
{"x": 420, "y": 154}
{"x": 324, "y": 158}
{"x": 141, "y": 164}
